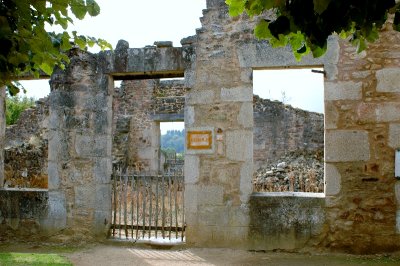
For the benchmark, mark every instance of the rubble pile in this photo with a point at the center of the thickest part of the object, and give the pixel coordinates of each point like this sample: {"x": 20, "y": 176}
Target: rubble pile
{"x": 299, "y": 171}
{"x": 25, "y": 165}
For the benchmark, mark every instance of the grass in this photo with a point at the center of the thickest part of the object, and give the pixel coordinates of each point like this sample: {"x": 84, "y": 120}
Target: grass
{"x": 33, "y": 259}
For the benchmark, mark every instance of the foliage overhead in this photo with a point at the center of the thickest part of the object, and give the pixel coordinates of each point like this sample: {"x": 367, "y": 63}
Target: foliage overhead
{"x": 306, "y": 24}
{"x": 27, "y": 48}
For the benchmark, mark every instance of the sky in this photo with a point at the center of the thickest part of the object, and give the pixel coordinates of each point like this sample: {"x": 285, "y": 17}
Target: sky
{"x": 142, "y": 23}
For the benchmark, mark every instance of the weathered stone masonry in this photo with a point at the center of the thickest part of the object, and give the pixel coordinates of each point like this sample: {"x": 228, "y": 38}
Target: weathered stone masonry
{"x": 359, "y": 211}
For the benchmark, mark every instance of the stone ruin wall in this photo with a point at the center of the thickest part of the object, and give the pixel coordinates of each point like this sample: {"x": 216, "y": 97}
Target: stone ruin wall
{"x": 26, "y": 148}
{"x": 137, "y": 105}
{"x": 362, "y": 108}
{"x": 279, "y": 129}
{"x": 359, "y": 211}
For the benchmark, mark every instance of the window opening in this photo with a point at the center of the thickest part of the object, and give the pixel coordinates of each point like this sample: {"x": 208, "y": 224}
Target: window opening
{"x": 288, "y": 130}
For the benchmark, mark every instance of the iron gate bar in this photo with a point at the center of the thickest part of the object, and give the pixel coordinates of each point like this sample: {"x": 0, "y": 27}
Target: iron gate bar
{"x": 138, "y": 211}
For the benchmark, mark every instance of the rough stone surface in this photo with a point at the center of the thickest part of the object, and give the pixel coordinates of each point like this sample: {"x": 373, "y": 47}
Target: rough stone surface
{"x": 284, "y": 221}
{"x": 21, "y": 212}
{"x": 348, "y": 90}
{"x": 388, "y": 80}
{"x": 360, "y": 217}
{"x": 239, "y": 145}
{"x": 333, "y": 180}
{"x": 347, "y": 145}
{"x": 394, "y": 136}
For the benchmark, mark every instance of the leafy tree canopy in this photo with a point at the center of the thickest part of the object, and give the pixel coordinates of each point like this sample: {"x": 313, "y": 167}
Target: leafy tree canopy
{"x": 27, "y": 48}
{"x": 306, "y": 24}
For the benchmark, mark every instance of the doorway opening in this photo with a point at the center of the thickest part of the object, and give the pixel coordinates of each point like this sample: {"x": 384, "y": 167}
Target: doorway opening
{"x": 148, "y": 192}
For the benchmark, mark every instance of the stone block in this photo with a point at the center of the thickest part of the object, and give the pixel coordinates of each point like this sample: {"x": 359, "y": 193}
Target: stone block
{"x": 53, "y": 175}
{"x": 54, "y": 148}
{"x": 88, "y": 146}
{"x": 347, "y": 146}
{"x": 101, "y": 223}
{"x": 398, "y": 221}
{"x": 394, "y": 136}
{"x": 57, "y": 214}
{"x": 54, "y": 120}
{"x": 239, "y": 145}
{"x": 239, "y": 216}
{"x": 331, "y": 115}
{"x": 102, "y": 170}
{"x": 83, "y": 145}
{"x": 332, "y": 180}
{"x": 103, "y": 198}
{"x": 245, "y": 117}
{"x": 200, "y": 97}
{"x": 240, "y": 94}
{"x": 346, "y": 90}
{"x": 261, "y": 54}
{"x": 246, "y": 177}
{"x": 191, "y": 199}
{"x": 210, "y": 195}
{"x": 397, "y": 192}
{"x": 388, "y": 112}
{"x": 84, "y": 197}
{"x": 388, "y": 80}
{"x": 101, "y": 122}
{"x": 192, "y": 163}
{"x": 213, "y": 215}
{"x": 147, "y": 153}
{"x": 189, "y": 116}
{"x": 366, "y": 112}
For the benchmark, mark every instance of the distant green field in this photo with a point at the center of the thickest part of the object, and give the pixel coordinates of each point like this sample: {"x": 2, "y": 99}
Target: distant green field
{"x": 32, "y": 259}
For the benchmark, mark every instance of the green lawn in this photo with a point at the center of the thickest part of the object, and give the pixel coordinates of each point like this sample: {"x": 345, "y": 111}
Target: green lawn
{"x": 12, "y": 258}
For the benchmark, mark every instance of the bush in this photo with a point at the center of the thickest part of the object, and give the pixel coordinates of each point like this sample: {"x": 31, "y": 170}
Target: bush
{"x": 15, "y": 105}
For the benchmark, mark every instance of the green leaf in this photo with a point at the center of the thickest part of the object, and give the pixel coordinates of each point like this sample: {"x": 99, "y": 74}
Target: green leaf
{"x": 297, "y": 40}
{"x": 321, "y": 5}
{"x": 65, "y": 41}
{"x": 46, "y": 68}
{"x": 80, "y": 41}
{"x": 361, "y": 44}
{"x": 236, "y": 7}
{"x": 318, "y": 51}
{"x": 78, "y": 8}
{"x": 262, "y": 31}
{"x": 92, "y": 7}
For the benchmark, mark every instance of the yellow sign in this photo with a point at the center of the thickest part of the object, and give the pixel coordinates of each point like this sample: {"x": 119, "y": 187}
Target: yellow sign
{"x": 199, "y": 140}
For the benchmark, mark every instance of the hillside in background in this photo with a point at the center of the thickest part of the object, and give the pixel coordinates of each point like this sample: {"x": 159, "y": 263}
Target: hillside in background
{"x": 173, "y": 139}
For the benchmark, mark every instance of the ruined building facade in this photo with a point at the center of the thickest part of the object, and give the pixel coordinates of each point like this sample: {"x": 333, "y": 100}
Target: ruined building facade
{"x": 359, "y": 210}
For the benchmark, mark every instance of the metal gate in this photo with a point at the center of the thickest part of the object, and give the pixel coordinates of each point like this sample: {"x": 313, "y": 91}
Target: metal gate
{"x": 148, "y": 207}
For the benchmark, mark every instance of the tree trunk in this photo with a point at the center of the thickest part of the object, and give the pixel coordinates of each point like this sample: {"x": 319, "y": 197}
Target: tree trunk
{"x": 2, "y": 132}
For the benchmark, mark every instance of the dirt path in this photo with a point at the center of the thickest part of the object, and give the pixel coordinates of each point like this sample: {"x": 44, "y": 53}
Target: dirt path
{"x": 109, "y": 255}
